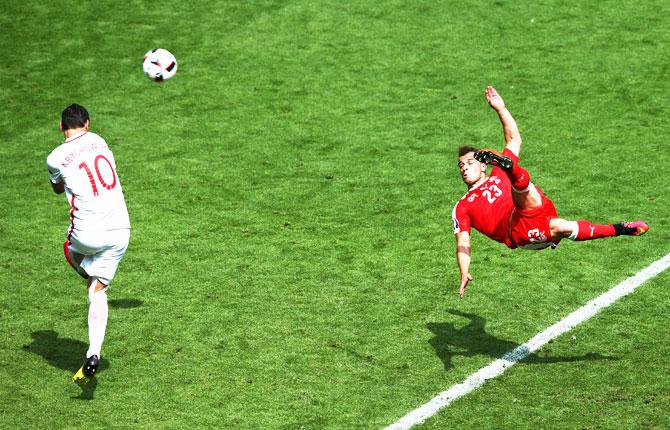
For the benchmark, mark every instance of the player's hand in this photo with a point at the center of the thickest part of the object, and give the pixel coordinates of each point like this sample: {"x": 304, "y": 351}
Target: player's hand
{"x": 465, "y": 279}
{"x": 494, "y": 99}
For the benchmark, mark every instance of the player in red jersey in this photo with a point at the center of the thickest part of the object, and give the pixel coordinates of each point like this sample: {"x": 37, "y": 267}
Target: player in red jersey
{"x": 507, "y": 207}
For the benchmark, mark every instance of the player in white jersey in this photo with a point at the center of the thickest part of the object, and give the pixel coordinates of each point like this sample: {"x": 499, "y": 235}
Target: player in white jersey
{"x": 83, "y": 168}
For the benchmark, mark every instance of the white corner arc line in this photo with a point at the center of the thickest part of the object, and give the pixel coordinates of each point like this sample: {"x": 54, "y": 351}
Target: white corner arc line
{"x": 497, "y": 367}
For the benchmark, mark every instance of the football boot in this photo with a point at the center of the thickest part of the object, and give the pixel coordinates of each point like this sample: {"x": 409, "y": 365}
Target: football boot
{"x": 87, "y": 370}
{"x": 633, "y": 228}
{"x": 495, "y": 158}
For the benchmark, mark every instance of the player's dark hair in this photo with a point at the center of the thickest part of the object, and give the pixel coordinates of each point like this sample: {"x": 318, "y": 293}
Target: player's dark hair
{"x": 465, "y": 149}
{"x": 74, "y": 116}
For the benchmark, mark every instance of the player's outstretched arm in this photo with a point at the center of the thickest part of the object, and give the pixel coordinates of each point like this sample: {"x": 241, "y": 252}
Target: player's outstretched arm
{"x": 512, "y": 135}
{"x": 463, "y": 259}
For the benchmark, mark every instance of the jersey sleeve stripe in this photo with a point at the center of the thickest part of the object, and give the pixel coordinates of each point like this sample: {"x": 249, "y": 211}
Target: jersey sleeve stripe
{"x": 74, "y": 208}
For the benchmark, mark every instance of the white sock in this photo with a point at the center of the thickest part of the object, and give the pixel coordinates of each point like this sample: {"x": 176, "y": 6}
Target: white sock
{"x": 575, "y": 230}
{"x": 525, "y": 190}
{"x": 97, "y": 321}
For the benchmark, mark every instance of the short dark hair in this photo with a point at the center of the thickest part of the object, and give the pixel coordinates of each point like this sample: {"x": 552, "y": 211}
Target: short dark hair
{"x": 74, "y": 116}
{"x": 465, "y": 149}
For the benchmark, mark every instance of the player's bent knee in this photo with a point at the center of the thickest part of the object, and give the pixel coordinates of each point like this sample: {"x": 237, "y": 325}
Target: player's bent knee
{"x": 561, "y": 228}
{"x": 527, "y": 198}
{"x": 96, "y": 284}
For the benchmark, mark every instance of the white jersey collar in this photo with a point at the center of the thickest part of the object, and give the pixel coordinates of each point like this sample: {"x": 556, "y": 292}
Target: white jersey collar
{"x": 76, "y": 136}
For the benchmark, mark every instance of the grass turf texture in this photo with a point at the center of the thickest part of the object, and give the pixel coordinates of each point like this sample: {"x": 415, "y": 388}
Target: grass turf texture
{"x": 291, "y": 261}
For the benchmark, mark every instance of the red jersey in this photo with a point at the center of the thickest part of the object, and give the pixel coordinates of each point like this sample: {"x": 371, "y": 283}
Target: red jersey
{"x": 487, "y": 208}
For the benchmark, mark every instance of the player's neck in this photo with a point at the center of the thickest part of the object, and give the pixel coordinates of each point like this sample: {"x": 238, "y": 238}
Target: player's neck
{"x": 71, "y": 132}
{"x": 478, "y": 183}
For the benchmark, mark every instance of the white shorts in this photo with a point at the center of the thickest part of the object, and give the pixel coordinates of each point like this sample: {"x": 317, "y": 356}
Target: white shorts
{"x": 102, "y": 251}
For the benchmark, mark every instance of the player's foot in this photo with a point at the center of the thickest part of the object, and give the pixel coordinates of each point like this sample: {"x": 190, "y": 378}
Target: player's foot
{"x": 490, "y": 156}
{"x": 633, "y": 228}
{"x": 87, "y": 370}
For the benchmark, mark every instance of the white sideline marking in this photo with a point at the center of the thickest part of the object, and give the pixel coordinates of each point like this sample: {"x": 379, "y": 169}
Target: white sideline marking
{"x": 497, "y": 367}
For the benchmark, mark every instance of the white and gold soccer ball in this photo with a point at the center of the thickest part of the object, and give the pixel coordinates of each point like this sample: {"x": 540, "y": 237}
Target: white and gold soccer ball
{"x": 159, "y": 65}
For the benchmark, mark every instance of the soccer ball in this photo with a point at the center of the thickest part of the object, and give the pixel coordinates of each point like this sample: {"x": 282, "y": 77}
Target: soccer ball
{"x": 159, "y": 65}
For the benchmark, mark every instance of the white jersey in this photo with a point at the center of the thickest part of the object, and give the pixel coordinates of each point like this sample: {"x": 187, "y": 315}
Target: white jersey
{"x": 93, "y": 189}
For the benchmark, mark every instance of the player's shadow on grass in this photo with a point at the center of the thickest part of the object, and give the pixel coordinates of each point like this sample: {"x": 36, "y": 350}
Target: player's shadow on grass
{"x": 63, "y": 353}
{"x": 473, "y": 340}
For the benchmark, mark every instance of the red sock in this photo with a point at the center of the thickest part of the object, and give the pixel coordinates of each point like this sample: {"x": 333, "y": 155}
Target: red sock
{"x": 589, "y": 231}
{"x": 519, "y": 177}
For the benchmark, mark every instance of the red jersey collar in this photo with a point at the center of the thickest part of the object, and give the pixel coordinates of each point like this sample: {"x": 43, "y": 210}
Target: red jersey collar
{"x": 486, "y": 178}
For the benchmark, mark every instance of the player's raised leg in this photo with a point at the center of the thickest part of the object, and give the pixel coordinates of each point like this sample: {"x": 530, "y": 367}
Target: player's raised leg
{"x": 581, "y": 230}
{"x": 524, "y": 193}
{"x": 74, "y": 259}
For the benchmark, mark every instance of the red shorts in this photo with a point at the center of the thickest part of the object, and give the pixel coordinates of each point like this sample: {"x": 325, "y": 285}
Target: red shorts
{"x": 529, "y": 228}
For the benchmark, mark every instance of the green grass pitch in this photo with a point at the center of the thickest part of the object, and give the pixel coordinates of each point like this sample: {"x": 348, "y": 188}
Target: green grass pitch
{"x": 292, "y": 263}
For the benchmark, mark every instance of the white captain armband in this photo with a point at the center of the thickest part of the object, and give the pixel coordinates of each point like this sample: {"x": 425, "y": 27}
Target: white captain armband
{"x": 457, "y": 226}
